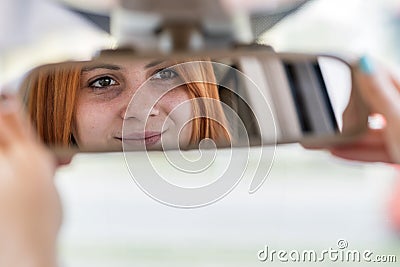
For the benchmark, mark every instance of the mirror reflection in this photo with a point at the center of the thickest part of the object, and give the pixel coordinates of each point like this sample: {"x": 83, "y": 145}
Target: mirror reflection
{"x": 89, "y": 104}
{"x": 119, "y": 102}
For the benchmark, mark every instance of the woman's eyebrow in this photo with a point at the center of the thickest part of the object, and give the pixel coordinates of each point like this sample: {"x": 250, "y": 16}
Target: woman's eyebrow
{"x": 153, "y": 63}
{"x": 101, "y": 66}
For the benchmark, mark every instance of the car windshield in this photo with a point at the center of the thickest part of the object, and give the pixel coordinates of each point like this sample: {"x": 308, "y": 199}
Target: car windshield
{"x": 344, "y": 26}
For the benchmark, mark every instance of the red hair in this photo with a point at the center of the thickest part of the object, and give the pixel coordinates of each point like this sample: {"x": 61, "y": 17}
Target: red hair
{"x": 52, "y": 93}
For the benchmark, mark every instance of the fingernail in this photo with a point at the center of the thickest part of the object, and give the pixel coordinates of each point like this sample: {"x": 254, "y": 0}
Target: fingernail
{"x": 366, "y": 65}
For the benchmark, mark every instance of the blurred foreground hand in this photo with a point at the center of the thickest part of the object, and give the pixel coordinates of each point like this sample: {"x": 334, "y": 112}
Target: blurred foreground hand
{"x": 30, "y": 210}
{"x": 381, "y": 92}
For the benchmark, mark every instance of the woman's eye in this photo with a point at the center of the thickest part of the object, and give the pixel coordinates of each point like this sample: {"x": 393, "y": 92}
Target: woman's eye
{"x": 103, "y": 82}
{"x": 165, "y": 74}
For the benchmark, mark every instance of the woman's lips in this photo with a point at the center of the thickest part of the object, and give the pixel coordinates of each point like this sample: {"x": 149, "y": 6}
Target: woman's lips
{"x": 151, "y": 140}
{"x": 148, "y": 138}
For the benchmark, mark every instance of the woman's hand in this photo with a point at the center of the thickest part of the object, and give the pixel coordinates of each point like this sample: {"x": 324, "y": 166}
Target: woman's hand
{"x": 30, "y": 211}
{"x": 381, "y": 92}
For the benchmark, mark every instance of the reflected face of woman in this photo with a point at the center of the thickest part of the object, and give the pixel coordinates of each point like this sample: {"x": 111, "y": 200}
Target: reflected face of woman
{"x": 106, "y": 117}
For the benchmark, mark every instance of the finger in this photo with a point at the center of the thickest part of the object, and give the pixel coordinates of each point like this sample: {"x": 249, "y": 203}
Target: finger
{"x": 377, "y": 89}
{"x": 395, "y": 82}
{"x": 64, "y": 156}
{"x": 372, "y": 138}
{"x": 7, "y": 108}
{"x": 6, "y": 135}
{"x": 12, "y": 117}
{"x": 362, "y": 154}
{"x": 370, "y": 147}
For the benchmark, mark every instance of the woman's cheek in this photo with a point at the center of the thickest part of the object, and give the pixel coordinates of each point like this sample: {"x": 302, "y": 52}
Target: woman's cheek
{"x": 91, "y": 123}
{"x": 175, "y": 98}
{"x": 179, "y": 108}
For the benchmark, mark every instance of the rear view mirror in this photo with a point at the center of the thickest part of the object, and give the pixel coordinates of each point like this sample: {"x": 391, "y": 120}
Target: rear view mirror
{"x": 120, "y": 101}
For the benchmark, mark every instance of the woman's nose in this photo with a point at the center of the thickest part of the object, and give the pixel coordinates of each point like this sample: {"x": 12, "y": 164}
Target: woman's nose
{"x": 141, "y": 109}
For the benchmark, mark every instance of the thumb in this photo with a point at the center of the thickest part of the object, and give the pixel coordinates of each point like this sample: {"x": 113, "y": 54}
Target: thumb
{"x": 63, "y": 156}
{"x": 377, "y": 89}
